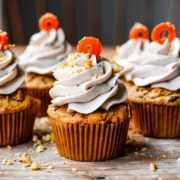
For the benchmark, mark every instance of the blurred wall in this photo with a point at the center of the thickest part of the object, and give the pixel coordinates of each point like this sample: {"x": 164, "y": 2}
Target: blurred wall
{"x": 109, "y": 20}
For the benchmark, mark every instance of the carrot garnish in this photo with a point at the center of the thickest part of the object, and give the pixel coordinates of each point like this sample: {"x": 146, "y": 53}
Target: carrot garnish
{"x": 163, "y": 31}
{"x": 48, "y": 21}
{"x": 138, "y": 31}
{"x": 90, "y": 45}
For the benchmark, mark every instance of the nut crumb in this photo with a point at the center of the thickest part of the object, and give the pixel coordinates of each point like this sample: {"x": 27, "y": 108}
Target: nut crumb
{"x": 40, "y": 148}
{"x": 9, "y": 147}
{"x": 39, "y": 142}
{"x": 35, "y": 138}
{"x": 153, "y": 167}
{"x": 144, "y": 149}
{"x": 46, "y": 138}
{"x": 9, "y": 162}
{"x": 49, "y": 166}
{"x": 74, "y": 169}
{"x": 88, "y": 64}
{"x": 164, "y": 156}
{"x": 35, "y": 166}
{"x": 147, "y": 139}
{"x": 26, "y": 160}
{"x": 160, "y": 178}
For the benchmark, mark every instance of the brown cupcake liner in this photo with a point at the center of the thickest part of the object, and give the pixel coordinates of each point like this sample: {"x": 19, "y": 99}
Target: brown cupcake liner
{"x": 90, "y": 142}
{"x": 17, "y": 127}
{"x": 43, "y": 96}
{"x": 161, "y": 121}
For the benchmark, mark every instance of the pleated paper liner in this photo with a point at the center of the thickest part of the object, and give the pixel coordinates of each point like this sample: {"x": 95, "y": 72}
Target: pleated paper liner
{"x": 161, "y": 121}
{"x": 43, "y": 96}
{"x": 90, "y": 142}
{"x": 17, "y": 127}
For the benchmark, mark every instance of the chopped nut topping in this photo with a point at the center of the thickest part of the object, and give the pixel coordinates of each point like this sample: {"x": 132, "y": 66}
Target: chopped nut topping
{"x": 160, "y": 178}
{"x": 25, "y": 159}
{"x": 116, "y": 67}
{"x": 9, "y": 147}
{"x": 40, "y": 148}
{"x": 88, "y": 64}
{"x": 49, "y": 166}
{"x": 46, "y": 138}
{"x": 39, "y": 142}
{"x": 35, "y": 138}
{"x": 144, "y": 149}
{"x": 74, "y": 169}
{"x": 9, "y": 162}
{"x": 153, "y": 167}
{"x": 35, "y": 166}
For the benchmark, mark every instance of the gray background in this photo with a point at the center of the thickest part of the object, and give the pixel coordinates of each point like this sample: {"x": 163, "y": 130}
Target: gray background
{"x": 112, "y": 18}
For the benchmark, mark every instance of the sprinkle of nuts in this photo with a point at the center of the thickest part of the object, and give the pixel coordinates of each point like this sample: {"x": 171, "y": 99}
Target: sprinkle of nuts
{"x": 35, "y": 138}
{"x": 26, "y": 160}
{"x": 35, "y": 166}
{"x": 153, "y": 167}
{"x": 46, "y": 138}
{"x": 160, "y": 178}
{"x": 40, "y": 148}
{"x": 38, "y": 142}
{"x": 9, "y": 162}
{"x": 49, "y": 166}
{"x": 116, "y": 67}
{"x": 144, "y": 149}
{"x": 88, "y": 64}
{"x": 74, "y": 169}
{"x": 9, "y": 147}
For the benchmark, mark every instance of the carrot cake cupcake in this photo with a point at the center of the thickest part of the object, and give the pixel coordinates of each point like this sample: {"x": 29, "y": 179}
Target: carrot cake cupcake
{"x": 153, "y": 84}
{"x": 88, "y": 114}
{"x": 47, "y": 50}
{"x": 17, "y": 109}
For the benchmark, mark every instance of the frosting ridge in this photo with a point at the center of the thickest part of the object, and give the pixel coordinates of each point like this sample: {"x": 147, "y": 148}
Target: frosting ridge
{"x": 157, "y": 66}
{"x": 46, "y": 51}
{"x": 86, "y": 84}
{"x": 11, "y": 76}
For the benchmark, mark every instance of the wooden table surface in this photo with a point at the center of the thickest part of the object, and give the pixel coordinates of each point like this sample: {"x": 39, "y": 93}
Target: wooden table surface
{"x": 134, "y": 164}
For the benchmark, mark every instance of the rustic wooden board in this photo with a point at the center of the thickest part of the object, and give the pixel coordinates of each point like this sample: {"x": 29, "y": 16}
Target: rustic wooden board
{"x": 134, "y": 164}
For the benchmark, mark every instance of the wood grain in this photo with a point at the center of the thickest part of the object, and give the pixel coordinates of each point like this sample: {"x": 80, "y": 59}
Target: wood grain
{"x": 133, "y": 165}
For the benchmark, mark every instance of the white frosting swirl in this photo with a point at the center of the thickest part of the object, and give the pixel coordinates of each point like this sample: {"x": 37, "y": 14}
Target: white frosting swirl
{"x": 10, "y": 76}
{"x": 46, "y": 51}
{"x": 87, "y": 89}
{"x": 158, "y": 66}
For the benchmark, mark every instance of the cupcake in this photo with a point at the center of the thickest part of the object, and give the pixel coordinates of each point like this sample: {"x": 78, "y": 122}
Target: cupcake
{"x": 17, "y": 109}
{"x": 88, "y": 114}
{"x": 153, "y": 83}
{"x": 47, "y": 50}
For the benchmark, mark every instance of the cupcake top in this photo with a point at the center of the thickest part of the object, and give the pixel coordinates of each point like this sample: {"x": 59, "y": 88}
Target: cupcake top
{"x": 11, "y": 76}
{"x": 159, "y": 63}
{"x": 138, "y": 41}
{"x": 86, "y": 82}
{"x": 47, "y": 49}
